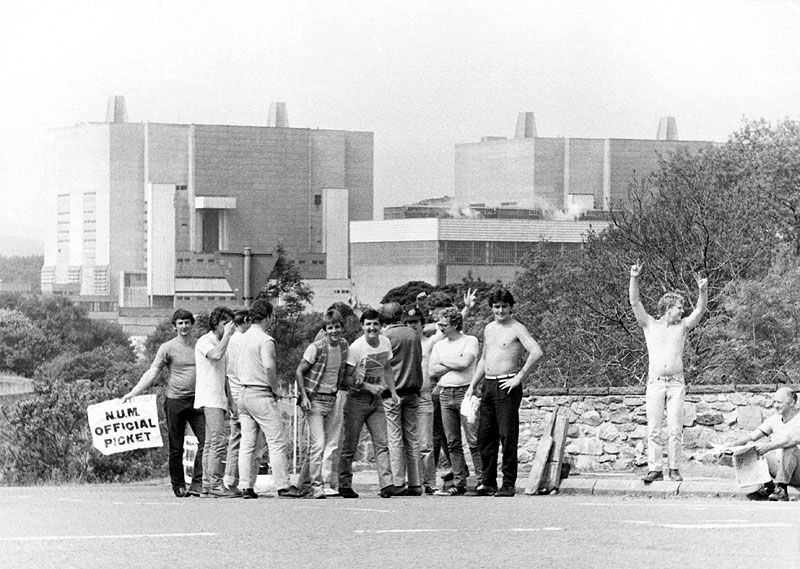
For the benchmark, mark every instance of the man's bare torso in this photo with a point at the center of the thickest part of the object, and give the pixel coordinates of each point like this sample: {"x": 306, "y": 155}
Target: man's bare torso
{"x": 665, "y": 344}
{"x": 502, "y": 348}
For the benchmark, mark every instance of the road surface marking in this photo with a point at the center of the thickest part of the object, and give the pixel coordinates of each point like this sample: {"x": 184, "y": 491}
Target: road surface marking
{"x": 720, "y": 524}
{"x": 357, "y": 510}
{"x": 406, "y": 530}
{"x": 446, "y": 530}
{"x": 532, "y": 529}
{"x": 727, "y": 526}
{"x": 119, "y": 536}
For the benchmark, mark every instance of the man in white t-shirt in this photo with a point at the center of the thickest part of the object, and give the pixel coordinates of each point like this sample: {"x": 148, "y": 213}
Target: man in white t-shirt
{"x": 781, "y": 450}
{"x": 212, "y": 395}
{"x": 369, "y": 374}
{"x": 453, "y": 362}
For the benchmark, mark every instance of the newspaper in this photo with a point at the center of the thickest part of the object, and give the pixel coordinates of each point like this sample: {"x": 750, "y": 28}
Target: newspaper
{"x": 749, "y": 468}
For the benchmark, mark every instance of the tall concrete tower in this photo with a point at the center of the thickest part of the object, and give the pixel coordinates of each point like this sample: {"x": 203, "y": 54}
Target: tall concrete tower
{"x": 278, "y": 115}
{"x": 526, "y": 125}
{"x": 667, "y": 129}
{"x": 115, "y": 110}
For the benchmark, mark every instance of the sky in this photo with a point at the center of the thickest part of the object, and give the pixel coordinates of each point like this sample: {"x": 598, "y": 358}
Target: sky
{"x": 422, "y": 76}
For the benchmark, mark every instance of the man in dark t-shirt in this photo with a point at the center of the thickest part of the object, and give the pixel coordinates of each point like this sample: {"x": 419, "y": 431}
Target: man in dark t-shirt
{"x": 177, "y": 355}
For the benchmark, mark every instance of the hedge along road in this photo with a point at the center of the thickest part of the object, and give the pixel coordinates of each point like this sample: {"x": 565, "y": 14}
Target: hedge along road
{"x": 144, "y": 526}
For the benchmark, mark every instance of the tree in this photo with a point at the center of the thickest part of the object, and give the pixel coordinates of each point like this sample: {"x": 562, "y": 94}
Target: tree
{"x": 407, "y": 293}
{"x": 714, "y": 212}
{"x": 22, "y": 345}
{"x": 289, "y": 295}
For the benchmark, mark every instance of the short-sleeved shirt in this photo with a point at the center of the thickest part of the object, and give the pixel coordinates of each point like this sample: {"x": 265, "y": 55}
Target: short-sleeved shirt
{"x": 210, "y": 389}
{"x": 233, "y": 351}
{"x": 250, "y": 358}
{"x": 370, "y": 361}
{"x": 445, "y": 349}
{"x": 179, "y": 359}
{"x": 330, "y": 377}
{"x": 774, "y": 425}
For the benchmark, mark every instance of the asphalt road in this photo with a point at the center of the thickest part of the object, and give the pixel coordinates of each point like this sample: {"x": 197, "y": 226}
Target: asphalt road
{"x": 143, "y": 526}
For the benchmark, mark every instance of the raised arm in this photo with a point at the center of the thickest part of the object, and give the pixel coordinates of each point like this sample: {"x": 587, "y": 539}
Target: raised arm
{"x": 633, "y": 295}
{"x": 702, "y": 302}
{"x": 219, "y": 350}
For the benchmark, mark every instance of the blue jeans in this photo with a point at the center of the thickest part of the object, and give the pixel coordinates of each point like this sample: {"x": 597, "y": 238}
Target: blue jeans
{"x": 320, "y": 419}
{"x": 259, "y": 410}
{"x": 401, "y": 425}
{"x": 359, "y": 409}
{"x": 215, "y": 447}
{"x": 450, "y": 400}
{"x": 499, "y": 424}
{"x": 179, "y": 412}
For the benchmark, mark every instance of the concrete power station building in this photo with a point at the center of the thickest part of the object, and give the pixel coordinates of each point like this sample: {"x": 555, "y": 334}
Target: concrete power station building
{"x": 512, "y": 196}
{"x": 156, "y": 215}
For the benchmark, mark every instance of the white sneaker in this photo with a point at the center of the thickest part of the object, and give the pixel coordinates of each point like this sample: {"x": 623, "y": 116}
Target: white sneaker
{"x": 331, "y": 491}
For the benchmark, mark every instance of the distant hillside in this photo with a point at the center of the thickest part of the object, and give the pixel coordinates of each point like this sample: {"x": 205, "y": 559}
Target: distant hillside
{"x": 11, "y": 246}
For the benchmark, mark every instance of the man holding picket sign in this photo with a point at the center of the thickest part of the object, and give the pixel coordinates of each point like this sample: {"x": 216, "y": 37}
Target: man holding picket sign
{"x": 178, "y": 356}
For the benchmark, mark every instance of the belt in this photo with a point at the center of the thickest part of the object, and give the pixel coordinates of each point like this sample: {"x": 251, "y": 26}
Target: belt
{"x": 504, "y": 376}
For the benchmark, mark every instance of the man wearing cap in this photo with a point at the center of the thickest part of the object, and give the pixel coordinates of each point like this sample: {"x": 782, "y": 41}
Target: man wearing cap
{"x": 401, "y": 417}
{"x": 505, "y": 340}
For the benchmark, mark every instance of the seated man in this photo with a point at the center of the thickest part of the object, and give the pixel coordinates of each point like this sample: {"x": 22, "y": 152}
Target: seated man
{"x": 781, "y": 450}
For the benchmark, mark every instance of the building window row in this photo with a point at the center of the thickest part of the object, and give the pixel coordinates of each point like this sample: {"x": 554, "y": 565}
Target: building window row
{"x": 497, "y": 252}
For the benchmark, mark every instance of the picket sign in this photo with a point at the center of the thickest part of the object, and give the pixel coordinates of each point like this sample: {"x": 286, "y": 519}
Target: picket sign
{"x": 120, "y": 427}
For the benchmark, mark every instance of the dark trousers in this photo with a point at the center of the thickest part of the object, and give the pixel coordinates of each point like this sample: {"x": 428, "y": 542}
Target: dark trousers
{"x": 499, "y": 424}
{"x": 178, "y": 413}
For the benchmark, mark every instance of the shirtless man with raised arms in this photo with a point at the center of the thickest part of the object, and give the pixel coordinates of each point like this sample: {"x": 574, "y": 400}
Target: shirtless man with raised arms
{"x": 505, "y": 340}
{"x": 665, "y": 338}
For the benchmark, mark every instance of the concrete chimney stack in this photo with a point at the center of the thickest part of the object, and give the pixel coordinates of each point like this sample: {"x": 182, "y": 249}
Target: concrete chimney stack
{"x": 115, "y": 110}
{"x": 526, "y": 126}
{"x": 278, "y": 115}
{"x": 667, "y": 129}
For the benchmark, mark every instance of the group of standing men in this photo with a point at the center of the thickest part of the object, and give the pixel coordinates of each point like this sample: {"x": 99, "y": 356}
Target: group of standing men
{"x": 405, "y": 381}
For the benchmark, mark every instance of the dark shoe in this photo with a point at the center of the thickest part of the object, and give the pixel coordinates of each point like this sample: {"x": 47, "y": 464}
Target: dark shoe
{"x": 414, "y": 491}
{"x": 761, "y": 494}
{"x": 652, "y": 476}
{"x": 388, "y": 491}
{"x": 428, "y": 490}
{"x": 290, "y": 492}
{"x": 224, "y": 493}
{"x": 249, "y": 494}
{"x": 180, "y": 492}
{"x": 194, "y": 491}
{"x": 675, "y": 475}
{"x": 452, "y": 491}
{"x": 399, "y": 491}
{"x": 483, "y": 490}
{"x": 347, "y": 493}
{"x": 779, "y": 495}
{"x": 506, "y": 491}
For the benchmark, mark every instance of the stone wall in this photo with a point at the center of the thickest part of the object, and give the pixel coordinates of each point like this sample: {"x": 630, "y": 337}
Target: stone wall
{"x": 608, "y": 426}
